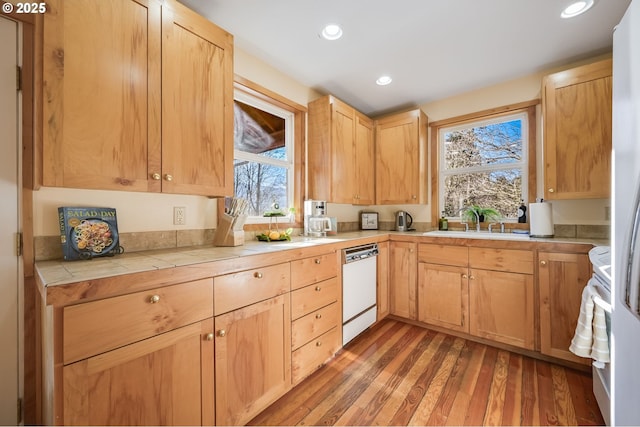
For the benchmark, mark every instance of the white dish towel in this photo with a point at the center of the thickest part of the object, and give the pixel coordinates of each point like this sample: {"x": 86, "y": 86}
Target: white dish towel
{"x": 591, "y": 339}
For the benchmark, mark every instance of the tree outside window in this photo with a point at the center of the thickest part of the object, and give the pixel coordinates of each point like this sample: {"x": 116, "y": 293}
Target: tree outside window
{"x": 484, "y": 163}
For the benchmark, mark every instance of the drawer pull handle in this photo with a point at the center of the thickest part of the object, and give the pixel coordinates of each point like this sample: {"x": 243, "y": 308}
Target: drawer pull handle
{"x": 154, "y": 299}
{"x": 318, "y": 343}
{"x": 155, "y": 176}
{"x": 318, "y": 316}
{"x": 543, "y": 262}
{"x": 257, "y": 275}
{"x": 317, "y": 261}
{"x": 318, "y": 288}
{"x": 208, "y": 337}
{"x": 222, "y": 333}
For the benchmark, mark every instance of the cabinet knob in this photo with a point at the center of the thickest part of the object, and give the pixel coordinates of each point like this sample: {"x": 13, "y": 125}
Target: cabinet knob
{"x": 471, "y": 277}
{"x": 222, "y": 333}
{"x": 257, "y": 275}
{"x": 168, "y": 177}
{"x": 318, "y": 288}
{"x": 156, "y": 176}
{"x": 551, "y": 190}
{"x": 318, "y": 316}
{"x": 543, "y": 262}
{"x": 464, "y": 276}
{"x": 414, "y": 197}
{"x": 208, "y": 337}
{"x": 154, "y": 299}
{"x": 317, "y": 261}
{"x": 318, "y": 343}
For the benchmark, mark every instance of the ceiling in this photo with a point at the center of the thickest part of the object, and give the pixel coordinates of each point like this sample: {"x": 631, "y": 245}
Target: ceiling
{"x": 433, "y": 49}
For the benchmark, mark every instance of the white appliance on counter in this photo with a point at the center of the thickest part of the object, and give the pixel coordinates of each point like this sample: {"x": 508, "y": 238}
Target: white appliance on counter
{"x": 625, "y": 319}
{"x": 359, "y": 276}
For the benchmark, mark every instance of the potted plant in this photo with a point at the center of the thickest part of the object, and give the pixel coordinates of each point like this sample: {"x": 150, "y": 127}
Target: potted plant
{"x": 483, "y": 214}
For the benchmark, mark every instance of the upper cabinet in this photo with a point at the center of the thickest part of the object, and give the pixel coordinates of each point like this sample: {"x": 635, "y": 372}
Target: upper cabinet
{"x": 401, "y": 143}
{"x": 577, "y": 132}
{"x": 341, "y": 153}
{"x": 138, "y": 96}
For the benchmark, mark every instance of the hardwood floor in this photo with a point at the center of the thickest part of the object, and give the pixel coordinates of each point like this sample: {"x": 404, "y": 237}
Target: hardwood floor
{"x": 400, "y": 374}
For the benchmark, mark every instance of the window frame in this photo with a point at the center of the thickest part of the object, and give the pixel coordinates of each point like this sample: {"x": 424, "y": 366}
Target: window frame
{"x": 527, "y": 108}
{"x": 254, "y": 90}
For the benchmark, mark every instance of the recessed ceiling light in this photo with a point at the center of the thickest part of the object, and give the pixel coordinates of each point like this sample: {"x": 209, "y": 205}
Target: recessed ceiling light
{"x": 576, "y": 8}
{"x": 384, "y": 80}
{"x": 332, "y": 32}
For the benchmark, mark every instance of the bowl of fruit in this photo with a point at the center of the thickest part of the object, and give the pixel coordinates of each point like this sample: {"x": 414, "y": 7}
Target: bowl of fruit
{"x": 275, "y": 235}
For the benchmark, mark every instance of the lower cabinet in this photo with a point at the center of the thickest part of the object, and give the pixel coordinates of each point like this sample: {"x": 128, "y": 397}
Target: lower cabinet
{"x": 443, "y": 296}
{"x": 562, "y": 278}
{"x": 163, "y": 380}
{"x": 252, "y": 359}
{"x": 501, "y": 307}
{"x": 403, "y": 266}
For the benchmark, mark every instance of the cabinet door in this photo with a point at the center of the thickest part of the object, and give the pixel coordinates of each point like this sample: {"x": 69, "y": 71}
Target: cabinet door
{"x": 101, "y": 90}
{"x": 400, "y": 163}
{"x": 562, "y": 278}
{"x": 253, "y": 359}
{"x": 197, "y": 104}
{"x": 403, "y": 264}
{"x": 501, "y": 307}
{"x": 164, "y": 380}
{"x": 382, "y": 280}
{"x": 577, "y": 116}
{"x": 364, "y": 162}
{"x": 342, "y": 154}
{"x": 443, "y": 296}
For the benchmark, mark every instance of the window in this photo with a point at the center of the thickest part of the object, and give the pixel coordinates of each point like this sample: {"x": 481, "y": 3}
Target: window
{"x": 263, "y": 155}
{"x": 485, "y": 162}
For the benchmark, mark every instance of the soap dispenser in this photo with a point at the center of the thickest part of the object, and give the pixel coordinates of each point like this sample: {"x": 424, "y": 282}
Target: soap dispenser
{"x": 522, "y": 213}
{"x": 443, "y": 223}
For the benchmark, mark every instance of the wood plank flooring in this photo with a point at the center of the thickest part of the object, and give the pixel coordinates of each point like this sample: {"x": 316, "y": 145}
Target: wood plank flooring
{"x": 400, "y": 374}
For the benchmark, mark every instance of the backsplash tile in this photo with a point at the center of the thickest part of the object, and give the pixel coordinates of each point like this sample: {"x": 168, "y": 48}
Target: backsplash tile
{"x": 593, "y": 231}
{"x": 565, "y": 230}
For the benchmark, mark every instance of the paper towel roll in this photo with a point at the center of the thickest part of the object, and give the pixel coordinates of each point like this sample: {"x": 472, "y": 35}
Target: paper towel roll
{"x": 541, "y": 219}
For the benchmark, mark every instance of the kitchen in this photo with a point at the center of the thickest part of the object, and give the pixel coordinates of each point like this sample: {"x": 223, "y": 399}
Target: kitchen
{"x": 585, "y": 215}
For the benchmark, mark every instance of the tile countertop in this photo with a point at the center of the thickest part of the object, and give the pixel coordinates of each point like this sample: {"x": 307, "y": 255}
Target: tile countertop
{"x": 60, "y": 272}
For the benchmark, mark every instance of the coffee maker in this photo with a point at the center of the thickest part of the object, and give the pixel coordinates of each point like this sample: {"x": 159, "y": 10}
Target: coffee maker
{"x": 316, "y": 221}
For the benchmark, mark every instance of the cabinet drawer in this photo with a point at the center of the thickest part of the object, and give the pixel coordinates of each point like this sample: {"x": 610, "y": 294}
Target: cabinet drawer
{"x": 311, "y": 298}
{"x": 311, "y": 356}
{"x": 236, "y": 290}
{"x": 311, "y": 270}
{"x": 98, "y": 326}
{"x": 313, "y": 324}
{"x": 443, "y": 254}
{"x": 508, "y": 260}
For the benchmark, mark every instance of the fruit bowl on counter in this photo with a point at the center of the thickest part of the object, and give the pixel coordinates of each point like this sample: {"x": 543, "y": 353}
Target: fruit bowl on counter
{"x": 275, "y": 235}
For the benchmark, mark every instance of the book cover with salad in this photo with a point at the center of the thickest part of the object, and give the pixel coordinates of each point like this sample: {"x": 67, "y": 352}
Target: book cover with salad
{"x": 87, "y": 233}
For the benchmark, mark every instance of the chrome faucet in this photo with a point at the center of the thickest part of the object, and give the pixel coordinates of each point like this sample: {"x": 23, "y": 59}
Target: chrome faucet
{"x": 496, "y": 223}
{"x": 477, "y": 218}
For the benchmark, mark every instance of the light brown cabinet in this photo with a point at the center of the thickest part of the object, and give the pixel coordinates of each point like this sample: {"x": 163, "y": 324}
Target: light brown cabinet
{"x": 316, "y": 315}
{"x": 152, "y": 364}
{"x": 382, "y": 280}
{"x": 577, "y": 105}
{"x": 252, "y": 341}
{"x": 137, "y": 97}
{"x": 341, "y": 153}
{"x": 501, "y": 295}
{"x": 562, "y": 278}
{"x": 443, "y": 286}
{"x": 401, "y": 168}
{"x": 403, "y": 270}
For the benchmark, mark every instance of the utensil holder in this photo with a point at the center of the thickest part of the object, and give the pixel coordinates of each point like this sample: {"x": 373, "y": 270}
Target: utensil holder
{"x": 229, "y": 231}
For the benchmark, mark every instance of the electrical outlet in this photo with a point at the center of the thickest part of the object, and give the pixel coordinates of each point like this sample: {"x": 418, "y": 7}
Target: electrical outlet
{"x": 179, "y": 215}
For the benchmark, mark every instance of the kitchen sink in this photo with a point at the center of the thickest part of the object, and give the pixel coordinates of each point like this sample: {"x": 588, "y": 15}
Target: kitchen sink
{"x": 477, "y": 235}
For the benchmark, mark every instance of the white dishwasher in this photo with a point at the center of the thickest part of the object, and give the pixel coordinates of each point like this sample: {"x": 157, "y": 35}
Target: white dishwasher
{"x": 359, "y": 276}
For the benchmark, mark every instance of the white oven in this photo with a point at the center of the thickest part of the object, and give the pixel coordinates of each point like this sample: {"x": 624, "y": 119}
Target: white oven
{"x": 600, "y": 257}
